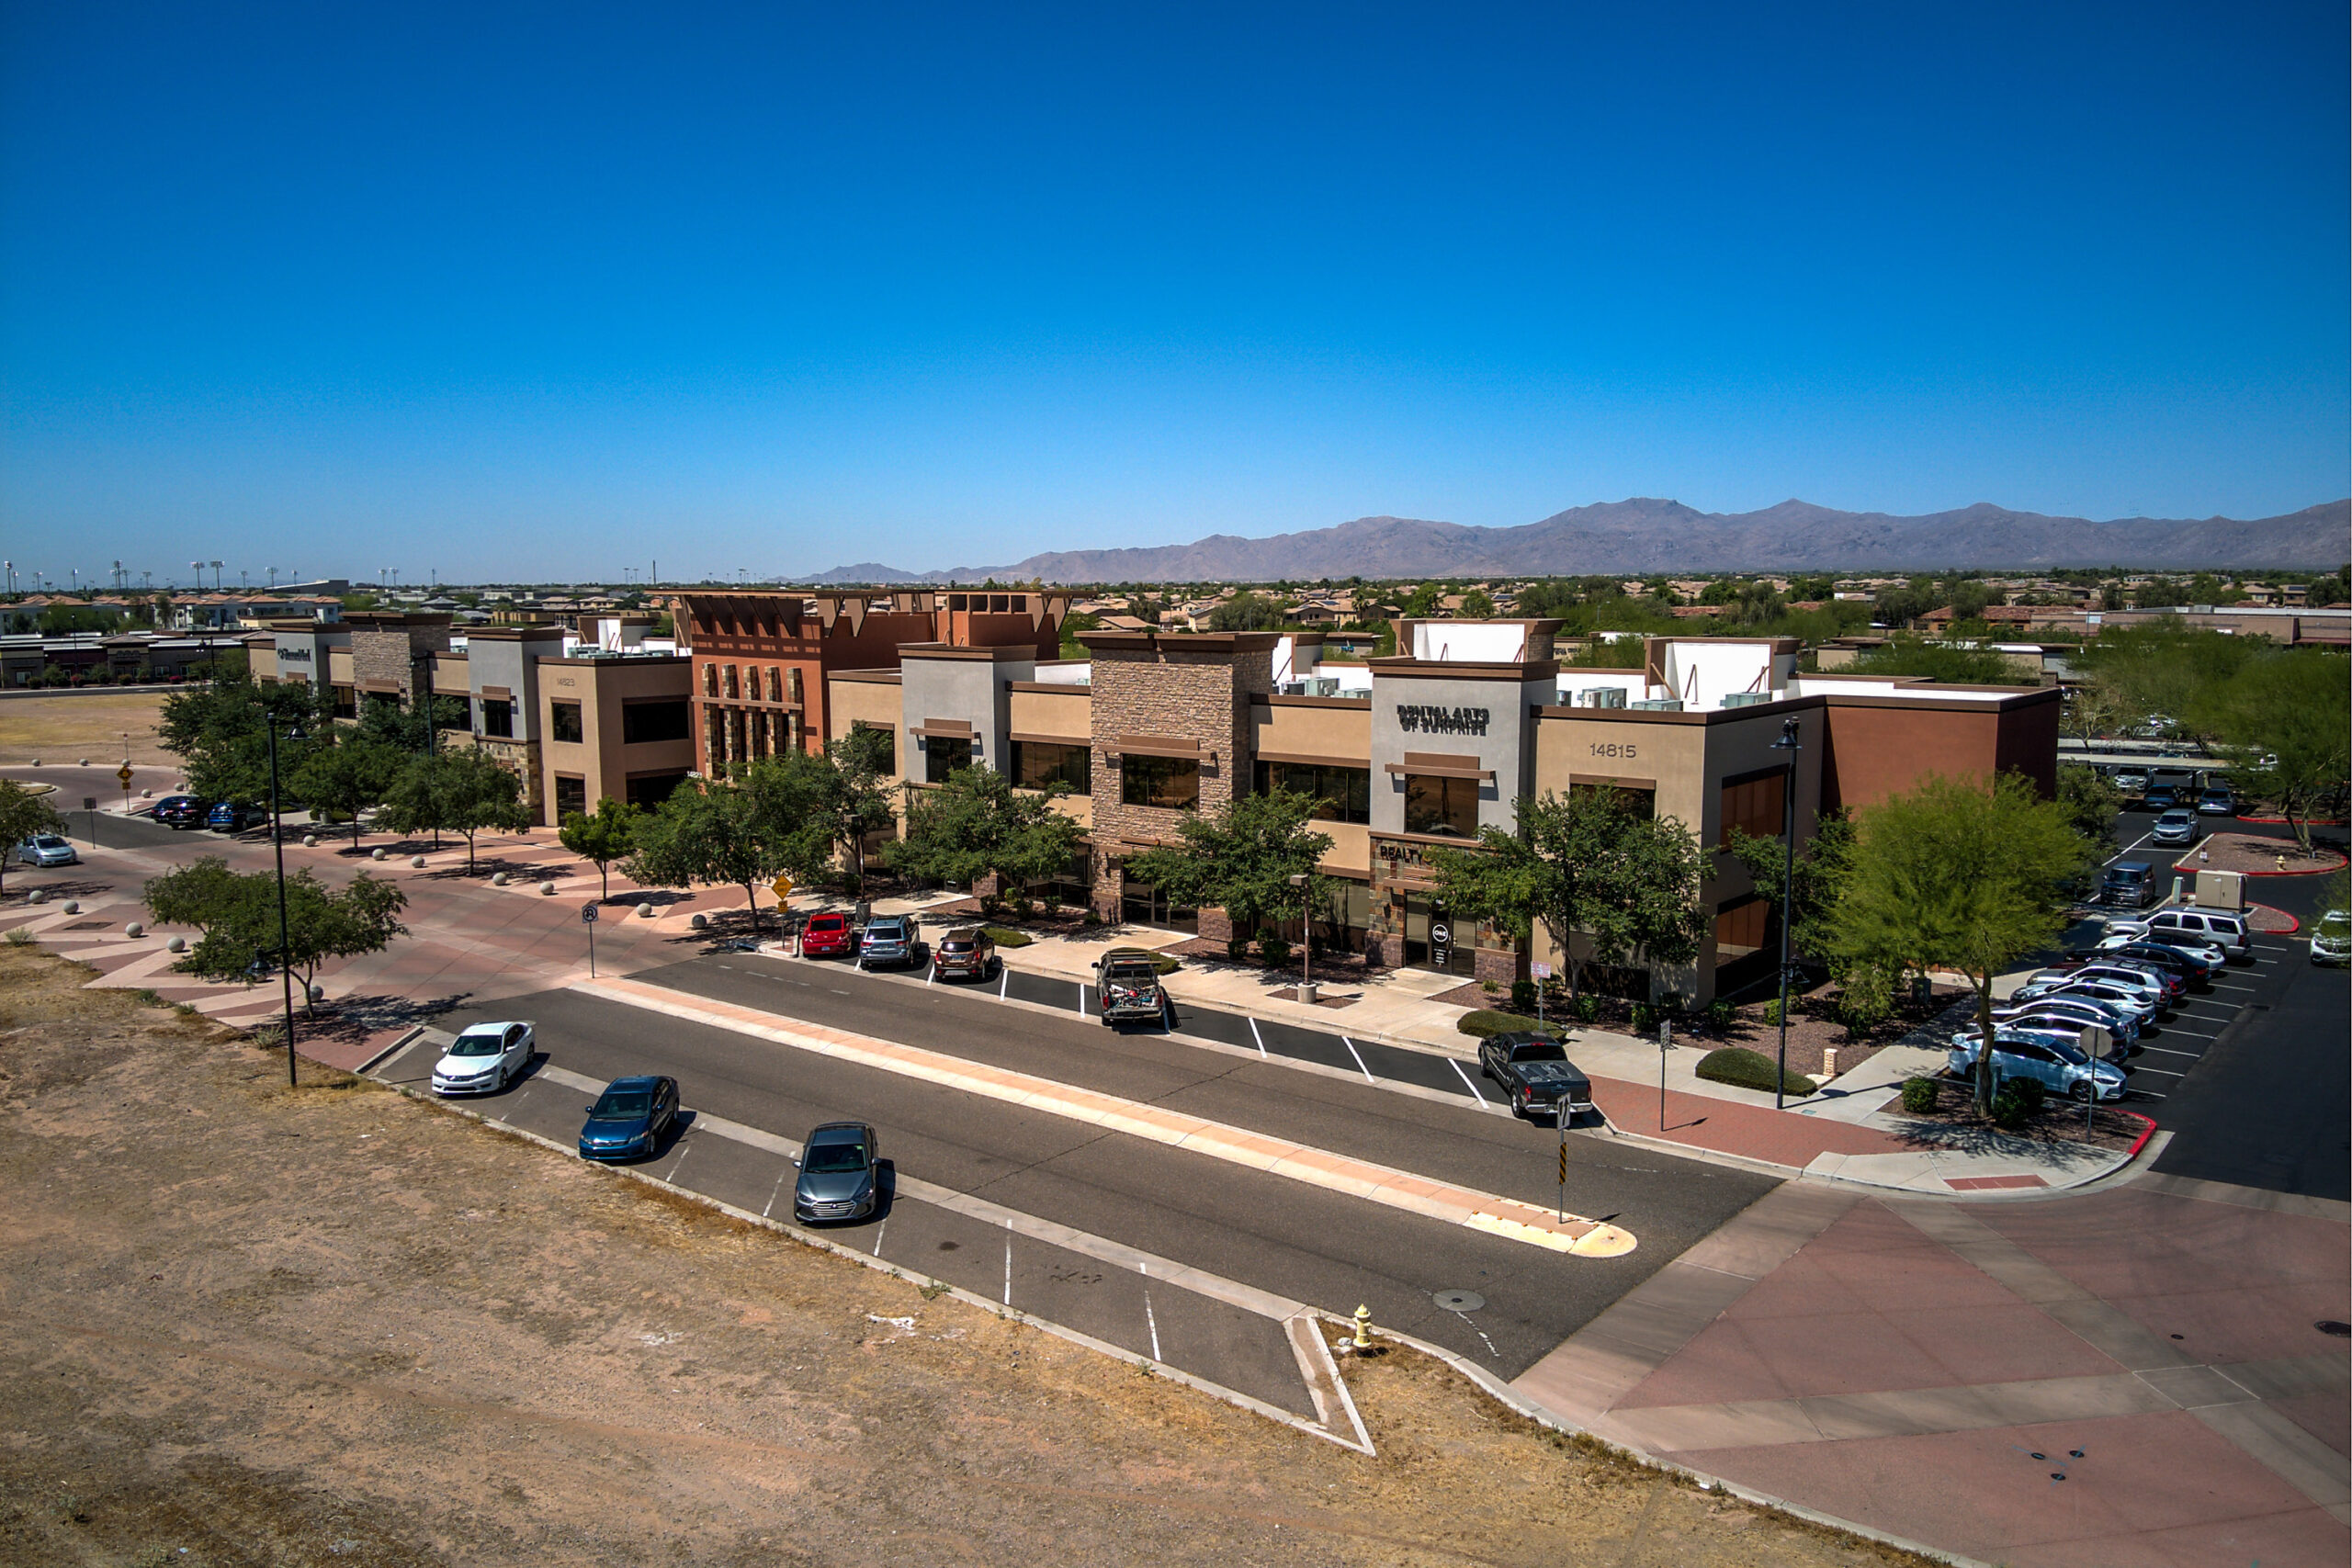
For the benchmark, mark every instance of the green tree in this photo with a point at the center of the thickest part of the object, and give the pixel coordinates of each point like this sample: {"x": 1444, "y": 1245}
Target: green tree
{"x": 346, "y": 774}
{"x": 709, "y": 831}
{"x": 1424, "y": 601}
{"x": 1962, "y": 876}
{"x": 1476, "y": 606}
{"x": 2281, "y": 720}
{"x": 978, "y": 824}
{"x": 459, "y": 791}
{"x": 219, "y": 732}
{"x": 1240, "y": 858}
{"x": 1247, "y": 612}
{"x": 608, "y": 836}
{"x": 1942, "y": 661}
{"x": 22, "y": 813}
{"x": 238, "y": 914}
{"x": 2165, "y": 667}
{"x": 1822, "y": 863}
{"x": 1589, "y": 864}
{"x": 2091, "y": 802}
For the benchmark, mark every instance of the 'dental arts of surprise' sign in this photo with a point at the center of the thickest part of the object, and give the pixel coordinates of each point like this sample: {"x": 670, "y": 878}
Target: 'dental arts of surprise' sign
{"x": 1441, "y": 721}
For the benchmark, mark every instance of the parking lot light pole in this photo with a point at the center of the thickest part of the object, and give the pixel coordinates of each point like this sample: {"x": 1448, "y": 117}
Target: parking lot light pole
{"x": 1788, "y": 742}
{"x": 1306, "y": 932}
{"x": 277, "y": 846}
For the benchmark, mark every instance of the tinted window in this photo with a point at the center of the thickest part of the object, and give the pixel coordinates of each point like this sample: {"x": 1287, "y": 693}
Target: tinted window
{"x": 665, "y": 719}
{"x": 830, "y": 1159}
{"x": 475, "y": 1045}
{"x": 1172, "y": 784}
{"x": 828, "y": 923}
{"x": 944, "y": 757}
{"x": 497, "y": 717}
{"x": 1442, "y": 808}
{"x": 1037, "y": 764}
{"x": 1344, "y": 793}
{"x": 1538, "y": 1051}
{"x": 563, "y": 721}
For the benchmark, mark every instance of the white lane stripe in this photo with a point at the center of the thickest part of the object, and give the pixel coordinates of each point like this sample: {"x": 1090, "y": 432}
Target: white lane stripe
{"x": 1007, "y": 1262}
{"x": 2163, "y": 1072}
{"x": 778, "y": 1193}
{"x": 1258, "y": 1037}
{"x": 1004, "y": 982}
{"x": 878, "y": 1233}
{"x": 1359, "y": 1056}
{"x": 1081, "y": 999}
{"x": 1149, "y": 1321}
{"x": 2160, "y": 1051}
{"x": 1466, "y": 1080}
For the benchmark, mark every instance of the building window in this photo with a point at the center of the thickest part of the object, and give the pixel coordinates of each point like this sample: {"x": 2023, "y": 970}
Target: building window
{"x": 563, "y": 723}
{"x": 664, "y": 719}
{"x": 776, "y": 685}
{"x": 497, "y": 717}
{"x": 885, "y": 743}
{"x": 942, "y": 757}
{"x": 1754, "y": 803}
{"x": 792, "y": 686}
{"x": 1172, "y": 783}
{"x": 1039, "y": 764}
{"x": 1445, "y": 808}
{"x": 570, "y": 796}
{"x": 651, "y": 789}
{"x": 346, "y": 701}
{"x": 733, "y": 682}
{"x": 1345, "y": 793}
{"x": 1747, "y": 936}
{"x": 710, "y": 680}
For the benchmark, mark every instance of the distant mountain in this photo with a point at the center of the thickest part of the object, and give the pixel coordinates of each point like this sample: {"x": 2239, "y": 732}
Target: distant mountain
{"x": 1644, "y": 535}
{"x": 867, "y": 574}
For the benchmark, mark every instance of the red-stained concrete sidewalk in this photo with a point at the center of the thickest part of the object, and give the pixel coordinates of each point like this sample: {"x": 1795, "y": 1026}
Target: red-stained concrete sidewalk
{"x": 1753, "y": 1132}
{"x": 2122, "y": 1379}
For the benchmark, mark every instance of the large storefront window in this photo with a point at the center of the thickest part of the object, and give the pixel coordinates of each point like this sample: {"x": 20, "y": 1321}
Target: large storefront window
{"x": 1445, "y": 808}
{"x": 662, "y": 719}
{"x": 942, "y": 757}
{"x": 570, "y": 795}
{"x": 1747, "y": 936}
{"x": 1172, "y": 784}
{"x": 1141, "y": 904}
{"x": 1345, "y": 793}
{"x": 1039, "y": 764}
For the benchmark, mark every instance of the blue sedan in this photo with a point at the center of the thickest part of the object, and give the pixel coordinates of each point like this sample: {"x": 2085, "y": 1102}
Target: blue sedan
{"x": 630, "y": 1119}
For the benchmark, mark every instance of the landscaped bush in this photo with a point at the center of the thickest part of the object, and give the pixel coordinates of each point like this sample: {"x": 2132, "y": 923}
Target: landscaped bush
{"x": 1486, "y": 1021}
{"x": 1005, "y": 936}
{"x": 1750, "y": 1070}
{"x": 1273, "y": 948}
{"x": 1523, "y": 995}
{"x": 1719, "y": 1015}
{"x": 1165, "y": 964}
{"x": 2019, "y": 1101}
{"x": 1772, "y": 1013}
{"x": 1919, "y": 1095}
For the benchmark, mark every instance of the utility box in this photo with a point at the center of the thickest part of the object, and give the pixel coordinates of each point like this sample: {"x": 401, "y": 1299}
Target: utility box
{"x": 2220, "y": 890}
{"x": 1602, "y": 697}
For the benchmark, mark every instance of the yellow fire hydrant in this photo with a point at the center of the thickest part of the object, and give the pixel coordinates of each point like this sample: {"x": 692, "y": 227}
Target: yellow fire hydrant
{"x": 1362, "y": 1341}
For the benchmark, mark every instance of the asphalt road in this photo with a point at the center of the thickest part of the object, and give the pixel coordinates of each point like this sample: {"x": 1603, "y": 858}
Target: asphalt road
{"x": 1265, "y": 1231}
{"x": 2252, "y": 1077}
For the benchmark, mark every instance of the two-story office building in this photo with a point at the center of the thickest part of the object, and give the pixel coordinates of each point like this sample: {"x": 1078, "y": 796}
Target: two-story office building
{"x": 1425, "y": 749}
{"x": 578, "y": 716}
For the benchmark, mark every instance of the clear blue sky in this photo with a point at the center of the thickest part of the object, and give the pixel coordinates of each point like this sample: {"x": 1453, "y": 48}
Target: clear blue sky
{"x": 543, "y": 292}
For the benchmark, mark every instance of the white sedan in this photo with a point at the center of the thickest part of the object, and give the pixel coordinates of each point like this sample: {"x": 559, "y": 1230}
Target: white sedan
{"x": 483, "y": 1060}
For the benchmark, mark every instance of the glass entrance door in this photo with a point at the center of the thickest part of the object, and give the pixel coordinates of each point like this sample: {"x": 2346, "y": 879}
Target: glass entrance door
{"x": 1435, "y": 940}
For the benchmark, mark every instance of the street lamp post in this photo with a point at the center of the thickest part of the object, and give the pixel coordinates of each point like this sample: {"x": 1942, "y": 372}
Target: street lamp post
{"x": 1790, "y": 743}
{"x": 278, "y": 844}
{"x": 1306, "y": 887}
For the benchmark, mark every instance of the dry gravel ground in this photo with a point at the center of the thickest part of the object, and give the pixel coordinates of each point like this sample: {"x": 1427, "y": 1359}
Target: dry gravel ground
{"x": 245, "y": 1324}
{"x": 73, "y": 725}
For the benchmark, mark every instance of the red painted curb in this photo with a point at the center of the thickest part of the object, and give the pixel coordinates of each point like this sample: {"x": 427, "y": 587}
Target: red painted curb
{"x": 2147, "y": 1131}
{"x": 2293, "y": 925}
{"x": 2282, "y": 821}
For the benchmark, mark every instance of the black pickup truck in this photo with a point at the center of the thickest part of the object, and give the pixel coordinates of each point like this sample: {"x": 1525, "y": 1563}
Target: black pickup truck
{"x": 1534, "y": 1072}
{"x": 1126, "y": 988}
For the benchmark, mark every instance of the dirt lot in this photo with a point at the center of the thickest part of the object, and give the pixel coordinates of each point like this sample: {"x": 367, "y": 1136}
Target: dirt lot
{"x": 253, "y": 1326}
{"x": 74, "y": 724}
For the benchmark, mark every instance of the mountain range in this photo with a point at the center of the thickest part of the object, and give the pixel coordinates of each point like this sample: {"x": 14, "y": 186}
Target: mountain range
{"x": 1642, "y": 536}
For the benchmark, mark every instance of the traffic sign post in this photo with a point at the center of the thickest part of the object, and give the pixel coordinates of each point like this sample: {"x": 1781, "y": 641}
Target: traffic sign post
{"x": 588, "y": 919}
{"x": 1665, "y": 1043}
{"x": 125, "y": 775}
{"x": 1542, "y": 972}
{"x": 90, "y": 804}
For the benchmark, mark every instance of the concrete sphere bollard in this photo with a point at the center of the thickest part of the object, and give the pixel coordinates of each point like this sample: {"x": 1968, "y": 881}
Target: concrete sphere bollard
{"x": 500, "y": 880}
{"x": 37, "y": 895}
{"x": 73, "y": 906}
{"x": 176, "y": 944}
{"x": 35, "y": 761}
{"x": 645, "y": 912}
{"x": 416, "y": 861}
{"x": 149, "y": 794}
{"x": 380, "y": 852}
{"x": 546, "y": 889}
{"x": 319, "y": 994}
{"x": 134, "y": 929}
{"x": 309, "y": 840}
{"x": 700, "y": 922}
{"x": 85, "y": 761}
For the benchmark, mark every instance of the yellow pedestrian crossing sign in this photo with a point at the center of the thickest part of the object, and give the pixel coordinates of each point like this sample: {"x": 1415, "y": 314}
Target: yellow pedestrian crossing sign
{"x": 781, "y": 887}
{"x": 123, "y": 774}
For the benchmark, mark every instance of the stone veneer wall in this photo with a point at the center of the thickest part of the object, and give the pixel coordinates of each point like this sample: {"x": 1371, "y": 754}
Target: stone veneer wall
{"x": 1200, "y": 694}
{"x": 392, "y": 653}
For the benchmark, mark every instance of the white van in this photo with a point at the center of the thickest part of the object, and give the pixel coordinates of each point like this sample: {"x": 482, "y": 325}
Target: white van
{"x": 2212, "y": 927}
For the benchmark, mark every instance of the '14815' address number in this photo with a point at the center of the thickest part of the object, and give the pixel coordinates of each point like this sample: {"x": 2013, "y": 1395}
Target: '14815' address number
{"x": 1621, "y": 751}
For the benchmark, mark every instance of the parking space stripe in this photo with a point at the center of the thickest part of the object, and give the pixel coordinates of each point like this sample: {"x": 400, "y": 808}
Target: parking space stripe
{"x": 1359, "y": 1056}
{"x": 1258, "y": 1037}
{"x": 1465, "y": 1079}
{"x": 2164, "y": 1072}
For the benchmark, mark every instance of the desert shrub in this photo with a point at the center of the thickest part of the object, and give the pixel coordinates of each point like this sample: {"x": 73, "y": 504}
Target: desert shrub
{"x": 1164, "y": 963}
{"x": 1523, "y": 995}
{"x": 1919, "y": 1095}
{"x": 1585, "y": 1008}
{"x": 1237, "y": 948}
{"x": 1772, "y": 1013}
{"x": 1488, "y": 1020}
{"x": 1750, "y": 1070}
{"x": 2019, "y": 1101}
{"x": 1719, "y": 1015}
{"x": 1273, "y": 948}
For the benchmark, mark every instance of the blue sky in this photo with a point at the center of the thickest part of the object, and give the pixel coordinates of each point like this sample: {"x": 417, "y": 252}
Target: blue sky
{"x": 501, "y": 291}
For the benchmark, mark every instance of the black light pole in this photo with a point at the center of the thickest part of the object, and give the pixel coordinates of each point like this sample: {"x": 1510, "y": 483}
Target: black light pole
{"x": 1790, "y": 743}
{"x": 277, "y": 845}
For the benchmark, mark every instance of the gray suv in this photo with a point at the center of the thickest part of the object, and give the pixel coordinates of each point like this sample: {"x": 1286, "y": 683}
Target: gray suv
{"x": 889, "y": 942}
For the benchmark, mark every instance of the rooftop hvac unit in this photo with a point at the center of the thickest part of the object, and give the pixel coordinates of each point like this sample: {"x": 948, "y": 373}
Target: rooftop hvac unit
{"x": 1658, "y": 705}
{"x": 1602, "y": 697}
{"x": 1745, "y": 699}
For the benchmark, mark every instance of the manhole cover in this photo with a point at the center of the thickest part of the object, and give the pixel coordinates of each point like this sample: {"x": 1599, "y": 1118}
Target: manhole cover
{"x": 2329, "y": 1326}
{"x": 1459, "y": 1300}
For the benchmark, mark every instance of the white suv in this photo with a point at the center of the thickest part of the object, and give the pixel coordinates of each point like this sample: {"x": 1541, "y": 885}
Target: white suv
{"x": 2211, "y": 926}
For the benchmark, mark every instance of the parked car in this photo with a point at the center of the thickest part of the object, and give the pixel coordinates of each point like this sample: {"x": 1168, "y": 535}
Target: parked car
{"x": 229, "y": 817}
{"x": 2214, "y": 927}
{"x": 47, "y": 850}
{"x": 2059, "y": 1067}
{"x": 2131, "y": 1002}
{"x": 2131, "y": 781}
{"x": 1534, "y": 1072}
{"x": 828, "y": 936}
{"x": 2066, "y": 1030}
{"x": 889, "y": 942}
{"x": 2177, "y": 826}
{"x": 838, "y": 1175}
{"x": 2078, "y": 1010}
{"x": 178, "y": 811}
{"x": 483, "y": 1059}
{"x": 2128, "y": 884}
{"x": 2159, "y": 798}
{"x": 2194, "y": 965}
{"x": 2165, "y": 982}
{"x": 2218, "y": 801}
{"x": 967, "y": 951}
{"x": 630, "y": 1117}
{"x": 2332, "y": 938}
{"x": 1126, "y": 988}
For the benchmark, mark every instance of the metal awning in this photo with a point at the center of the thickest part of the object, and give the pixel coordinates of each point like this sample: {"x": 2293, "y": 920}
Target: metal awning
{"x": 1442, "y": 765}
{"x": 1158, "y": 745}
{"x": 942, "y": 729}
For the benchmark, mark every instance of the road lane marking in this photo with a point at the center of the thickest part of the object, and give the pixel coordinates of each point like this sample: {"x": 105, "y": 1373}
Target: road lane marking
{"x": 1466, "y": 1080}
{"x": 1511, "y": 1218}
{"x": 878, "y": 1232}
{"x": 2160, "y": 1051}
{"x": 1258, "y": 1037}
{"x": 1359, "y": 1056}
{"x": 778, "y": 1193}
{"x": 1007, "y": 1262}
{"x": 1149, "y": 1321}
{"x": 2163, "y": 1072}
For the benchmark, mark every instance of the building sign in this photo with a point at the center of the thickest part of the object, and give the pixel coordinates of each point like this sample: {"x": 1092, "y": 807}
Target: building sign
{"x": 301, "y": 653}
{"x": 1441, "y": 721}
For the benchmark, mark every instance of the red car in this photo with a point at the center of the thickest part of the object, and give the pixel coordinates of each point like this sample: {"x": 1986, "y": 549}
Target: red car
{"x": 828, "y": 936}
